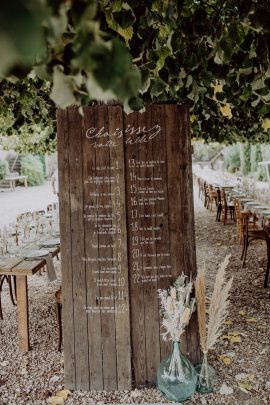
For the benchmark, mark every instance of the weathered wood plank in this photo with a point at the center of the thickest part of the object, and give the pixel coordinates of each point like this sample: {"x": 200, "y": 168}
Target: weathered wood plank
{"x": 91, "y": 252}
{"x": 65, "y": 236}
{"x": 188, "y": 225}
{"x": 122, "y": 316}
{"x": 148, "y": 190}
{"x": 77, "y": 249}
{"x": 163, "y": 259}
{"x": 106, "y": 252}
{"x": 177, "y": 237}
{"x": 134, "y": 250}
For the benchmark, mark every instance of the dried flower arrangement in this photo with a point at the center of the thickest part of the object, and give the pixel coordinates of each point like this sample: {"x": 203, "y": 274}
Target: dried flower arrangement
{"x": 211, "y": 329}
{"x": 177, "y": 306}
{"x": 176, "y": 376}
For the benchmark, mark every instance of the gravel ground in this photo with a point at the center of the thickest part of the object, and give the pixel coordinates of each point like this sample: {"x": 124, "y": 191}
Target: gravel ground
{"x": 33, "y": 377}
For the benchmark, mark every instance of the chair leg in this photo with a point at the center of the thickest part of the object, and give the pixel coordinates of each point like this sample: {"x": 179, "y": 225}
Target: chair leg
{"x": 244, "y": 253}
{"x": 267, "y": 274}
{"x": 10, "y": 290}
{"x": 15, "y": 286}
{"x": 2, "y": 279}
{"x": 59, "y": 321}
{"x": 245, "y": 242}
{"x": 1, "y": 313}
{"x": 268, "y": 267}
{"x": 218, "y": 214}
{"x": 225, "y": 216}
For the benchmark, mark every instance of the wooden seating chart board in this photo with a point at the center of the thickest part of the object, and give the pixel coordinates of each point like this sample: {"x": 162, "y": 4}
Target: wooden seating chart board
{"x": 127, "y": 229}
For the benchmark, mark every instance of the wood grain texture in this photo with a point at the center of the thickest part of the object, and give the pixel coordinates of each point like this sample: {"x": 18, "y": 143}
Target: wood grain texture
{"x": 105, "y": 239}
{"x": 64, "y": 169}
{"x": 128, "y": 206}
{"x": 77, "y": 249}
{"x": 176, "y": 192}
{"x": 188, "y": 224}
{"x": 91, "y": 250}
{"x": 151, "y": 306}
{"x": 135, "y": 260}
{"x": 122, "y": 314}
{"x": 163, "y": 259}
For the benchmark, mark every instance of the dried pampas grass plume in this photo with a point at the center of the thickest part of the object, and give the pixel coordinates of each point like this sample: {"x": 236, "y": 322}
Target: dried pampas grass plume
{"x": 218, "y": 309}
{"x": 201, "y": 306}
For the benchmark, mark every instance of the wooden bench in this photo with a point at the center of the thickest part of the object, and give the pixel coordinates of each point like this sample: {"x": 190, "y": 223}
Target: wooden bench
{"x": 12, "y": 181}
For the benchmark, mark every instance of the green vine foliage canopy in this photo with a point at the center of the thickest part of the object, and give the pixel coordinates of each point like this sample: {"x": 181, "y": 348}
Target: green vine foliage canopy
{"x": 211, "y": 54}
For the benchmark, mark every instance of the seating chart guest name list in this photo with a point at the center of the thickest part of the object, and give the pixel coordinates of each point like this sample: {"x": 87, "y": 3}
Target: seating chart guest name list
{"x": 142, "y": 188}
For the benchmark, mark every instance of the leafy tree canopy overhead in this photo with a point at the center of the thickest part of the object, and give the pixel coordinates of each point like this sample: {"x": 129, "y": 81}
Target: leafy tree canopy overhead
{"x": 212, "y": 54}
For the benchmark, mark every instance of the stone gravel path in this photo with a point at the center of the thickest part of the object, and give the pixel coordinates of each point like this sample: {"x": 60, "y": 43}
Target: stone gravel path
{"x": 24, "y": 199}
{"x": 32, "y": 378}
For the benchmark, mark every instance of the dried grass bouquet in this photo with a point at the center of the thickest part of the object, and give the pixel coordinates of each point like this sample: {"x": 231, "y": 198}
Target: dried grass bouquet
{"x": 211, "y": 319}
{"x": 177, "y": 306}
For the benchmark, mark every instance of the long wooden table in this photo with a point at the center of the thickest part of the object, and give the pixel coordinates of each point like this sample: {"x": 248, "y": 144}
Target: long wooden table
{"x": 22, "y": 269}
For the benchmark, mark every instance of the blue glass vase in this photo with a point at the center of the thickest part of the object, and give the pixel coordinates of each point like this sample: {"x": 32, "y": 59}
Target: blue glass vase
{"x": 176, "y": 376}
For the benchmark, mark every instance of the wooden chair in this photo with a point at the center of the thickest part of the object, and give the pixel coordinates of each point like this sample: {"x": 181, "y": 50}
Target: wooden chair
{"x": 226, "y": 207}
{"x": 267, "y": 230}
{"x": 212, "y": 197}
{"x": 201, "y": 188}
{"x": 252, "y": 234}
{"x": 205, "y": 194}
{"x": 9, "y": 281}
{"x": 38, "y": 214}
{"x": 239, "y": 220}
{"x": 219, "y": 205}
{"x": 58, "y": 300}
{"x": 239, "y": 216}
{"x": 24, "y": 216}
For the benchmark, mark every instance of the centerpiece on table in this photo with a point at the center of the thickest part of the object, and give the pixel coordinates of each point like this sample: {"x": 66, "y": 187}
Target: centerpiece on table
{"x": 176, "y": 376}
{"x": 210, "y": 329}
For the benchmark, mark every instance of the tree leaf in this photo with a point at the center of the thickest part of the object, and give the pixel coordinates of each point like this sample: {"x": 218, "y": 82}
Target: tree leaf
{"x": 62, "y": 89}
{"x": 234, "y": 333}
{"x": 236, "y": 339}
{"x": 136, "y": 103}
{"x": 246, "y": 385}
{"x": 228, "y": 322}
{"x": 125, "y": 18}
{"x": 251, "y": 320}
{"x": 55, "y": 400}
{"x": 63, "y": 394}
{"x": 225, "y": 359}
{"x": 225, "y": 389}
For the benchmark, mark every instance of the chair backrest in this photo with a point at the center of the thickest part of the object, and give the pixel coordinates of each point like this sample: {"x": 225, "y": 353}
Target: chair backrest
{"x": 223, "y": 197}
{"x": 24, "y": 216}
{"x": 38, "y": 214}
{"x": 237, "y": 206}
{"x": 218, "y": 197}
{"x": 212, "y": 192}
{"x": 248, "y": 224}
